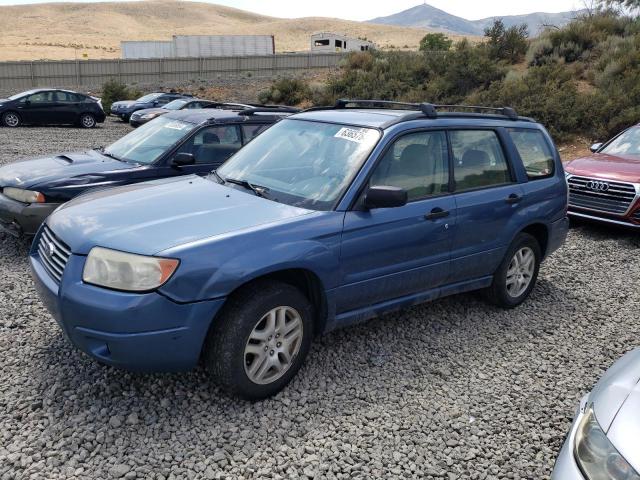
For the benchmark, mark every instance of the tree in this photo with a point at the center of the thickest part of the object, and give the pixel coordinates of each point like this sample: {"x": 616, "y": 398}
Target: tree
{"x": 630, "y": 4}
{"x": 435, "y": 42}
{"x": 507, "y": 43}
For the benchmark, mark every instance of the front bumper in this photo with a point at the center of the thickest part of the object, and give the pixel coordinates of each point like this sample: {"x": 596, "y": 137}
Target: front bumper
{"x": 620, "y": 221}
{"x": 566, "y": 467}
{"x": 19, "y": 219}
{"x": 139, "y": 332}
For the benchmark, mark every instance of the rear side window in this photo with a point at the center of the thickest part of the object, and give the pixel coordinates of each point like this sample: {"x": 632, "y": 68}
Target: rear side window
{"x": 479, "y": 161}
{"x": 418, "y": 163}
{"x": 534, "y": 151}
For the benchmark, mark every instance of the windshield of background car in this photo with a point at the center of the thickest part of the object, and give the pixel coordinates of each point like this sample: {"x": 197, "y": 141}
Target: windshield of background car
{"x": 628, "y": 143}
{"x": 303, "y": 163}
{"x": 148, "y": 98}
{"x": 147, "y": 143}
{"x": 175, "y": 105}
{"x": 20, "y": 95}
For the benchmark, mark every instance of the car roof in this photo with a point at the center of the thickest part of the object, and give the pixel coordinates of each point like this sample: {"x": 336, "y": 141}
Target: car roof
{"x": 386, "y": 117}
{"x": 38, "y": 90}
{"x": 203, "y": 115}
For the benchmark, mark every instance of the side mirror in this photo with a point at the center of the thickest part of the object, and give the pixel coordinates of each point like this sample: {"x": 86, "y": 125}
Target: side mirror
{"x": 595, "y": 147}
{"x": 155, "y": 103}
{"x": 385, "y": 197}
{"x": 182, "y": 159}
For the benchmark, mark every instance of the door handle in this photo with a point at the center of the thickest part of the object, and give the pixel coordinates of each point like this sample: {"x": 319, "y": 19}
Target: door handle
{"x": 437, "y": 213}
{"x": 514, "y": 198}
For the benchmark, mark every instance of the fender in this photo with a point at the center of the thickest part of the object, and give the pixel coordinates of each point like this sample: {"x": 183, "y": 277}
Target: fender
{"x": 214, "y": 268}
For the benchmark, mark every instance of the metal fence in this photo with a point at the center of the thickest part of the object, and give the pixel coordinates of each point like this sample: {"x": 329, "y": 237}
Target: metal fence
{"x": 93, "y": 73}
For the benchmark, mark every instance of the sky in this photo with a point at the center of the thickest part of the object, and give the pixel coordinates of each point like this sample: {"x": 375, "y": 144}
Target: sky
{"x": 367, "y": 9}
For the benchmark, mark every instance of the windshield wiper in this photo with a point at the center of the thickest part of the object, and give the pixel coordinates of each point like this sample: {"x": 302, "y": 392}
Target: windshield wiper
{"x": 217, "y": 175}
{"x": 110, "y": 155}
{"x": 257, "y": 189}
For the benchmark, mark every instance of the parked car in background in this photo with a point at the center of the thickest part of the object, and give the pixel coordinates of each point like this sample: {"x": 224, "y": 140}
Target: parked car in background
{"x": 125, "y": 108}
{"x": 179, "y": 143}
{"x": 143, "y": 116}
{"x": 603, "y": 440}
{"x": 51, "y": 107}
{"x": 605, "y": 186}
{"x": 330, "y": 217}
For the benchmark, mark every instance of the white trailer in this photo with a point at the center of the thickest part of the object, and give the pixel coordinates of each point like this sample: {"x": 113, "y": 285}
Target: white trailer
{"x": 326, "y": 42}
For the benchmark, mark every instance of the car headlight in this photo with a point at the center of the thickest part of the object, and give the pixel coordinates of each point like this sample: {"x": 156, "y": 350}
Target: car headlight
{"x": 24, "y": 196}
{"x": 149, "y": 116}
{"x": 595, "y": 454}
{"x": 127, "y": 271}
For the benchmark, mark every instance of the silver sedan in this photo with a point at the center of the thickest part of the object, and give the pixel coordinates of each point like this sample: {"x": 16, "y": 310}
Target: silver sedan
{"x": 604, "y": 441}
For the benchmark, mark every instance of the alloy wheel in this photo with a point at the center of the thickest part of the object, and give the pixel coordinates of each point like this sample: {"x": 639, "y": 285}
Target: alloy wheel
{"x": 11, "y": 119}
{"x": 520, "y": 272}
{"x": 273, "y": 345}
{"x": 87, "y": 121}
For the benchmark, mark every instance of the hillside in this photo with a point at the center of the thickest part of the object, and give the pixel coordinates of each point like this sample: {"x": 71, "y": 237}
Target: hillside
{"x": 66, "y": 30}
{"x": 426, "y": 16}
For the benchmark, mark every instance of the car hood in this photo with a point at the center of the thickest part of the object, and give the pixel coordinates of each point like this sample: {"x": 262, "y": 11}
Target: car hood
{"x": 150, "y": 217}
{"x": 124, "y": 103}
{"x": 3, "y": 100}
{"x": 66, "y": 166}
{"x": 616, "y": 404}
{"x": 623, "y": 168}
{"x": 144, "y": 111}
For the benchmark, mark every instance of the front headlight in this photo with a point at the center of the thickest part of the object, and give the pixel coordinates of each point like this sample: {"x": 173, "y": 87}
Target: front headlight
{"x": 24, "y": 196}
{"x": 149, "y": 116}
{"x": 127, "y": 271}
{"x": 595, "y": 454}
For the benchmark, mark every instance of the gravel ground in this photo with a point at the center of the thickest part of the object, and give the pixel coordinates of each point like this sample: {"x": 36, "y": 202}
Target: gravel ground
{"x": 452, "y": 389}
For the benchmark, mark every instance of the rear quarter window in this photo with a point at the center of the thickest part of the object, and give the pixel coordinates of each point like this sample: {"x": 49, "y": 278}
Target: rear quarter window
{"x": 535, "y": 152}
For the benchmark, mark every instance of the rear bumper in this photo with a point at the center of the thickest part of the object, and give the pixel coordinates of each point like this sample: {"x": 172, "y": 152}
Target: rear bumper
{"x": 558, "y": 232}
{"x": 139, "y": 332}
{"x": 20, "y": 219}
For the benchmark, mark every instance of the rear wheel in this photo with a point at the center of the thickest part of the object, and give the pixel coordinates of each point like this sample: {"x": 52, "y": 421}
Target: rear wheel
{"x": 87, "y": 120}
{"x": 516, "y": 277}
{"x": 11, "y": 119}
{"x": 260, "y": 339}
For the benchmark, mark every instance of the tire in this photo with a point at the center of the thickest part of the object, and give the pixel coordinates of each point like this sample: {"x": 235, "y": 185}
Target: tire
{"x": 507, "y": 289}
{"x": 229, "y": 349}
{"x": 87, "y": 120}
{"x": 11, "y": 119}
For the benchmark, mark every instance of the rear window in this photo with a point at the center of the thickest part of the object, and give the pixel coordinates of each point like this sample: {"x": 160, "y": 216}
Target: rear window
{"x": 535, "y": 152}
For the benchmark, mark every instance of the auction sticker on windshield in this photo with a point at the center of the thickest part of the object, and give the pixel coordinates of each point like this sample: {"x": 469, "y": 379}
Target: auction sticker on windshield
{"x": 357, "y": 135}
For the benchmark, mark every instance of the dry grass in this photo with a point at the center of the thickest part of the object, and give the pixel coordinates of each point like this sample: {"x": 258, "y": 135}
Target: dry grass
{"x": 54, "y": 31}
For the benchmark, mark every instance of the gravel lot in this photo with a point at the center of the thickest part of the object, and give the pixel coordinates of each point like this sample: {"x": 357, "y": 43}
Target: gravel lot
{"x": 453, "y": 389}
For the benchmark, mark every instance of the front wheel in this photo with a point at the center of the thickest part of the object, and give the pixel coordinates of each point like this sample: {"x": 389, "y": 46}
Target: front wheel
{"x": 11, "y": 119}
{"x": 517, "y": 274}
{"x": 260, "y": 339}
{"x": 87, "y": 120}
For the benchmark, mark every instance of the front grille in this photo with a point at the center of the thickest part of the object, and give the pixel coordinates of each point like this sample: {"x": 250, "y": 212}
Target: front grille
{"x": 54, "y": 253}
{"x": 615, "y": 200}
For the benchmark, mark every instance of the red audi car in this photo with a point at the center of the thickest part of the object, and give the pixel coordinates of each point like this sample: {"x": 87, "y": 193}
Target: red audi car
{"x": 605, "y": 186}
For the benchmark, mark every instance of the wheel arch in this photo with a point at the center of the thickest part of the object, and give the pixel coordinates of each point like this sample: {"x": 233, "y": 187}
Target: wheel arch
{"x": 307, "y": 281}
{"x": 540, "y": 232}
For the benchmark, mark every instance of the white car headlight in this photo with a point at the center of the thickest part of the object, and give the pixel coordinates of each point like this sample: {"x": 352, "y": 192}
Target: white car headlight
{"x": 595, "y": 454}
{"x": 127, "y": 271}
{"x": 149, "y": 116}
{"x": 24, "y": 196}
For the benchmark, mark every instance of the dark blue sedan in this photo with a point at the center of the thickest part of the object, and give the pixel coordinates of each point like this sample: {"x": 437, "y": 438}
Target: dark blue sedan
{"x": 179, "y": 143}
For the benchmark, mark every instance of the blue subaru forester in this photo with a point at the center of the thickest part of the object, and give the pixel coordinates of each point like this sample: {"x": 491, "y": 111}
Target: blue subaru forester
{"x": 330, "y": 217}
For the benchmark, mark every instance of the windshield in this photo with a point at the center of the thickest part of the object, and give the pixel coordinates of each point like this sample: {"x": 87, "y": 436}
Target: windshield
{"x": 303, "y": 163}
{"x": 148, "y": 98}
{"x": 20, "y": 95}
{"x": 175, "y": 105}
{"x": 628, "y": 143}
{"x": 147, "y": 143}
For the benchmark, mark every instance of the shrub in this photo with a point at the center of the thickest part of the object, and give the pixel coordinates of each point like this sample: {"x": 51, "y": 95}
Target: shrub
{"x": 433, "y": 42}
{"x": 115, "y": 91}
{"x": 288, "y": 91}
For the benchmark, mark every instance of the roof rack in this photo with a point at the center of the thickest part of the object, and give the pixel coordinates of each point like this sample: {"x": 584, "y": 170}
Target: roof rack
{"x": 428, "y": 109}
{"x": 269, "y": 109}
